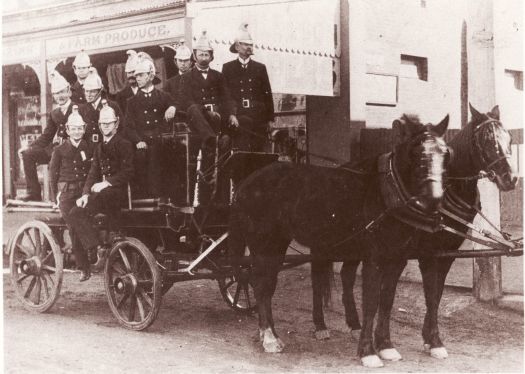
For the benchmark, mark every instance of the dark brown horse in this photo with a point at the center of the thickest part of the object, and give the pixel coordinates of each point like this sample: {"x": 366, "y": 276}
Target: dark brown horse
{"x": 323, "y": 207}
{"x": 483, "y": 145}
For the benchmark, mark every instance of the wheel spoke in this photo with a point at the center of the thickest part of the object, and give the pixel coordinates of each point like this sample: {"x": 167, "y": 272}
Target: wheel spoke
{"x": 132, "y": 304}
{"x": 38, "y": 241}
{"x": 122, "y": 301}
{"x": 46, "y": 291}
{"x": 23, "y": 249}
{"x": 20, "y": 280}
{"x": 141, "y": 308}
{"x": 28, "y": 235}
{"x": 30, "y": 288}
{"x": 47, "y": 257}
{"x": 237, "y": 293}
{"x": 49, "y": 268}
{"x": 146, "y": 298}
{"x": 38, "y": 289}
{"x": 49, "y": 278}
{"x": 125, "y": 260}
{"x": 247, "y": 294}
{"x": 118, "y": 268}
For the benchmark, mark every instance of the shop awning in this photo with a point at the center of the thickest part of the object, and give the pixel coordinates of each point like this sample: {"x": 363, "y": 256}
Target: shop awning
{"x": 298, "y": 40}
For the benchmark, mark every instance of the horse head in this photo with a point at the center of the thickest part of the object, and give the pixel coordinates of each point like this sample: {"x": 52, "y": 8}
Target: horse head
{"x": 421, "y": 158}
{"x": 492, "y": 149}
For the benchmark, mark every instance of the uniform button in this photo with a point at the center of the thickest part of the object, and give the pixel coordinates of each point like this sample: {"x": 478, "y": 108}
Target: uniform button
{"x": 74, "y": 162}
{"x": 203, "y": 90}
{"x": 249, "y": 80}
{"x": 147, "y": 122}
{"x": 145, "y": 111}
{"x": 251, "y": 89}
{"x": 203, "y": 98}
{"x": 241, "y": 81}
{"x": 242, "y": 90}
{"x": 156, "y": 121}
{"x": 213, "y": 97}
{"x": 155, "y": 109}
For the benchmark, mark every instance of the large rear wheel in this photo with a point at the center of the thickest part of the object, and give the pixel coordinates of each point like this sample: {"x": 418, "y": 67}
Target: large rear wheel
{"x": 36, "y": 266}
{"x": 133, "y": 284}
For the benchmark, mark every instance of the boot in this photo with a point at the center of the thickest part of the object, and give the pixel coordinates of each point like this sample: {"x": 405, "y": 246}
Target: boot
{"x": 84, "y": 275}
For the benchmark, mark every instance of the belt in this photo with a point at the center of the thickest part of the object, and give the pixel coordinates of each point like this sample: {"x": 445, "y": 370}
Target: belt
{"x": 247, "y": 103}
{"x": 95, "y": 138}
{"x": 72, "y": 185}
{"x": 211, "y": 107}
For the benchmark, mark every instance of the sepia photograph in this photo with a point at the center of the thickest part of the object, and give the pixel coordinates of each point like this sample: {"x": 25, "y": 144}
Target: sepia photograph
{"x": 262, "y": 186}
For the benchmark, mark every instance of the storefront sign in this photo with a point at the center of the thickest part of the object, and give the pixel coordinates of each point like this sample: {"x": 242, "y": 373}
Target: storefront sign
{"x": 116, "y": 37}
{"x": 20, "y": 52}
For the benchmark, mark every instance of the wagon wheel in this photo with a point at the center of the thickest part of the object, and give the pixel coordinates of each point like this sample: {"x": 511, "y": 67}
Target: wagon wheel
{"x": 36, "y": 266}
{"x": 237, "y": 291}
{"x": 133, "y": 284}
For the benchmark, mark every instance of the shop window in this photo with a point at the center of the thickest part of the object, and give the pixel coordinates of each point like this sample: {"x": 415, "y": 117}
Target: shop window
{"x": 517, "y": 77}
{"x": 414, "y": 67}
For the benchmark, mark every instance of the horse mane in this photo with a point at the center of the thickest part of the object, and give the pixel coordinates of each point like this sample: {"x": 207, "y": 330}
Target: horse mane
{"x": 462, "y": 163}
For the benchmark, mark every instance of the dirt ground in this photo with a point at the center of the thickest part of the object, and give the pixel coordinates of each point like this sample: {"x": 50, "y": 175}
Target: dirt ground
{"x": 196, "y": 332}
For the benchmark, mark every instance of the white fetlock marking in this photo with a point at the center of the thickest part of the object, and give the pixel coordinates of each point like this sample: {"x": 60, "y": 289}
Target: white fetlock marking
{"x": 271, "y": 343}
{"x": 426, "y": 347}
{"x": 355, "y": 334}
{"x": 390, "y": 354}
{"x": 322, "y": 334}
{"x": 439, "y": 353}
{"x": 372, "y": 361}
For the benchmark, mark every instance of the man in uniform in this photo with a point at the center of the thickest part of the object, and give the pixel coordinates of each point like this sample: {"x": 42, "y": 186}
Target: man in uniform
{"x": 39, "y": 152}
{"x": 131, "y": 89}
{"x": 250, "y": 88}
{"x": 184, "y": 64}
{"x": 145, "y": 115}
{"x": 68, "y": 170}
{"x": 81, "y": 66}
{"x": 105, "y": 189}
{"x": 206, "y": 99}
{"x": 90, "y": 111}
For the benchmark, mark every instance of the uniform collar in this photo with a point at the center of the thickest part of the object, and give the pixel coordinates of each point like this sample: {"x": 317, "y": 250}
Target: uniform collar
{"x": 106, "y": 141}
{"x": 96, "y": 103}
{"x": 74, "y": 143}
{"x": 148, "y": 90}
{"x": 64, "y": 108}
{"x": 244, "y": 62}
{"x": 134, "y": 89}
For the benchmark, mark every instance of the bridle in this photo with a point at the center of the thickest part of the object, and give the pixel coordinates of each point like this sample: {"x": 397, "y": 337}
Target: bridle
{"x": 487, "y": 165}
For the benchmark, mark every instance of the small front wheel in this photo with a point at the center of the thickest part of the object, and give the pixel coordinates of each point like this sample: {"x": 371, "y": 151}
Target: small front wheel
{"x": 133, "y": 284}
{"x": 237, "y": 291}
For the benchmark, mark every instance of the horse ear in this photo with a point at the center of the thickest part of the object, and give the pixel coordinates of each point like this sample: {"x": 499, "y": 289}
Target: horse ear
{"x": 494, "y": 113}
{"x": 441, "y": 127}
{"x": 401, "y": 131}
{"x": 475, "y": 114}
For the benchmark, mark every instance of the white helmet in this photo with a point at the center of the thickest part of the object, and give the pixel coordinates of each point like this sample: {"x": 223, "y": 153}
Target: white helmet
{"x": 144, "y": 63}
{"x": 107, "y": 113}
{"x": 75, "y": 119}
{"x": 57, "y": 81}
{"x": 131, "y": 62}
{"x": 182, "y": 52}
{"x": 93, "y": 80}
{"x": 82, "y": 60}
{"x": 243, "y": 36}
{"x": 203, "y": 44}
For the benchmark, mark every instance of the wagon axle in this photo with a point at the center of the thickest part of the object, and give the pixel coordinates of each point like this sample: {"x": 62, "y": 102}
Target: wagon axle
{"x": 126, "y": 284}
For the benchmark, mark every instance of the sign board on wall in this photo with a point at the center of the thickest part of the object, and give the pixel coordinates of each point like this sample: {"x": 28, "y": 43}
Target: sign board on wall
{"x": 17, "y": 52}
{"x": 298, "y": 41}
{"x": 120, "y": 37}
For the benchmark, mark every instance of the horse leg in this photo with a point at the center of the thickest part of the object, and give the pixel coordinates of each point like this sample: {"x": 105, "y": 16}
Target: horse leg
{"x": 434, "y": 272}
{"x": 348, "y": 273}
{"x": 391, "y": 273}
{"x": 320, "y": 285}
{"x": 371, "y": 289}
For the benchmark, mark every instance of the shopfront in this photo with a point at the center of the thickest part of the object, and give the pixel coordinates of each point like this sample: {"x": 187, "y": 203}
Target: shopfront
{"x": 29, "y": 57}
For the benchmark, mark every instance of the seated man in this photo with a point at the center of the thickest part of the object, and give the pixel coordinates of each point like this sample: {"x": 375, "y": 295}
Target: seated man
{"x": 39, "y": 152}
{"x": 105, "y": 189}
{"x": 68, "y": 169}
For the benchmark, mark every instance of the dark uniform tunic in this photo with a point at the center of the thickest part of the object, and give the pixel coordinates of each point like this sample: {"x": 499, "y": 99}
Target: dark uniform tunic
{"x": 122, "y": 97}
{"x": 145, "y": 121}
{"x": 112, "y": 162}
{"x": 68, "y": 170}
{"x": 91, "y": 115}
{"x": 196, "y": 93}
{"x": 172, "y": 87}
{"x": 251, "y": 91}
{"x": 77, "y": 93}
{"x": 40, "y": 150}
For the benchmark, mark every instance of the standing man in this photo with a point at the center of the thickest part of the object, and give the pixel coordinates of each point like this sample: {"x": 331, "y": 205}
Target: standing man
{"x": 184, "y": 64}
{"x": 145, "y": 114}
{"x": 206, "y": 99}
{"x": 81, "y": 66}
{"x": 250, "y": 88}
{"x": 39, "y": 152}
{"x": 90, "y": 111}
{"x": 105, "y": 189}
{"x": 131, "y": 89}
{"x": 68, "y": 170}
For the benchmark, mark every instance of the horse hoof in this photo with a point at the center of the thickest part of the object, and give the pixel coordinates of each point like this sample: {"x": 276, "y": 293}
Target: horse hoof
{"x": 273, "y": 346}
{"x": 355, "y": 334}
{"x": 440, "y": 353}
{"x": 322, "y": 334}
{"x": 390, "y": 354}
{"x": 372, "y": 361}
